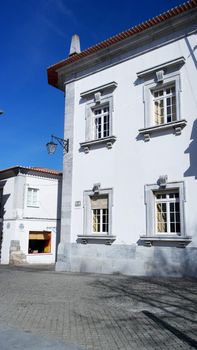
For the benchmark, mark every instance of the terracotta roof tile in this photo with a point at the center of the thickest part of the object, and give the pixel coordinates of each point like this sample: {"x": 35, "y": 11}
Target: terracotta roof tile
{"x": 40, "y": 170}
{"x": 48, "y": 171}
{"x": 52, "y": 75}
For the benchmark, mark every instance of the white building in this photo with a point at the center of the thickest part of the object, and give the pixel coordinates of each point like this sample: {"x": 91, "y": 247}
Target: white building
{"x": 130, "y": 175}
{"x": 30, "y": 201}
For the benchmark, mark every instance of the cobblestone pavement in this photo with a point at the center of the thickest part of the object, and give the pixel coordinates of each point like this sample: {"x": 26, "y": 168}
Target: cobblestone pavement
{"x": 100, "y": 312}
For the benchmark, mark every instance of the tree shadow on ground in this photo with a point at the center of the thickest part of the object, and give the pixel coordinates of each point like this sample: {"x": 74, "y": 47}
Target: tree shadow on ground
{"x": 159, "y": 299}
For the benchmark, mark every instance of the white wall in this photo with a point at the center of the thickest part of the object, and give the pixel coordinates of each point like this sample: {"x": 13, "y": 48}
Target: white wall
{"x": 131, "y": 163}
{"x": 19, "y": 219}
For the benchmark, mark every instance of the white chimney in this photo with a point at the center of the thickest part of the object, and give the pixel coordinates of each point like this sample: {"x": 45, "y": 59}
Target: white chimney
{"x": 75, "y": 45}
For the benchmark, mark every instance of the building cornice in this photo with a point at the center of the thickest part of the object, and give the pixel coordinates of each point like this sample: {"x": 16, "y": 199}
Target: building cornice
{"x": 159, "y": 26}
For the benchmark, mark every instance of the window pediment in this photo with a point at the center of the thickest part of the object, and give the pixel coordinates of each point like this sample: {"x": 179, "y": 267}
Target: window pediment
{"x": 103, "y": 88}
{"x": 173, "y": 64}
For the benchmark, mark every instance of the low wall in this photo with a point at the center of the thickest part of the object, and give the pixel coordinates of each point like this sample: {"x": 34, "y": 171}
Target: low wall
{"x": 127, "y": 259}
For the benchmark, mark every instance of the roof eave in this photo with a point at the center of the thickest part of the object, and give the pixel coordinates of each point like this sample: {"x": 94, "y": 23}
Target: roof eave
{"x": 15, "y": 170}
{"x": 151, "y": 24}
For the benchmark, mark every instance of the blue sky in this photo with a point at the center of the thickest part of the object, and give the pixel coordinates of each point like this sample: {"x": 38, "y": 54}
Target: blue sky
{"x": 35, "y": 34}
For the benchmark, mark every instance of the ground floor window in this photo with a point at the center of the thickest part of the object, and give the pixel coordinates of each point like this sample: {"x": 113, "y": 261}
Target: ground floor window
{"x": 165, "y": 209}
{"x": 99, "y": 209}
{"x": 39, "y": 242}
{"x": 167, "y": 212}
{"x": 98, "y": 212}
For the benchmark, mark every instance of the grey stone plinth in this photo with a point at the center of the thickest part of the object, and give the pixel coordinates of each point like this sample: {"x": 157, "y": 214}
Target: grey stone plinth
{"x": 128, "y": 259}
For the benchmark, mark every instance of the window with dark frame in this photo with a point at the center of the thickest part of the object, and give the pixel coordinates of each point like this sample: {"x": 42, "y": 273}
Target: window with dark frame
{"x": 39, "y": 242}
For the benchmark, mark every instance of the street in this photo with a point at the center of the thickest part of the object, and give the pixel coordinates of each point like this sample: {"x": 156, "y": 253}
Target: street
{"x": 43, "y": 309}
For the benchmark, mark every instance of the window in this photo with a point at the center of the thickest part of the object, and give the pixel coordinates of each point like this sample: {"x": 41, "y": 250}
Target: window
{"x": 39, "y": 242}
{"x": 32, "y": 197}
{"x": 97, "y": 216}
{"x": 101, "y": 122}
{"x": 98, "y": 117}
{"x": 99, "y": 208}
{"x": 162, "y": 99}
{"x": 167, "y": 212}
{"x": 165, "y": 218}
{"x": 164, "y": 105}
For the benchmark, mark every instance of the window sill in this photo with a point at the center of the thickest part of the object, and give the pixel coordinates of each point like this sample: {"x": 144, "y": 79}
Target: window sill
{"x": 32, "y": 206}
{"x": 177, "y": 241}
{"x": 106, "y": 141}
{"x": 177, "y": 126}
{"x": 105, "y": 239}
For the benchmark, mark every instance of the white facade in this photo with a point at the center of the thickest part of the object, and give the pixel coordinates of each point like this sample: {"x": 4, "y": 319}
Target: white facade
{"x": 144, "y": 159}
{"x": 30, "y": 211}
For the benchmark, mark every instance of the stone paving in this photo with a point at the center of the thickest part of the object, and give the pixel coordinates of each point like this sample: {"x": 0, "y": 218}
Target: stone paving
{"x": 99, "y": 312}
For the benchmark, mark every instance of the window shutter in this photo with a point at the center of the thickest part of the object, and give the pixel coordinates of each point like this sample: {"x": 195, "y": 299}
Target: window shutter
{"x": 99, "y": 202}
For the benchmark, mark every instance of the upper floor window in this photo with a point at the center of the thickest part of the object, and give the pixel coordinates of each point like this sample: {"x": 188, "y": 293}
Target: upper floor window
{"x": 164, "y": 105}
{"x": 162, "y": 99}
{"x": 101, "y": 121}
{"x": 32, "y": 197}
{"x": 99, "y": 109}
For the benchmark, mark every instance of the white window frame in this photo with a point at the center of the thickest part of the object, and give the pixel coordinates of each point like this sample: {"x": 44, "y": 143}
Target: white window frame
{"x": 150, "y": 191}
{"x": 101, "y": 214}
{"x": 31, "y": 202}
{"x": 164, "y": 98}
{"x": 166, "y": 201}
{"x": 101, "y": 116}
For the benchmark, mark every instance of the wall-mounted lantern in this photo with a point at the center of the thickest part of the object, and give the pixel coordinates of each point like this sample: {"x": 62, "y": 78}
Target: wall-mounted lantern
{"x": 51, "y": 146}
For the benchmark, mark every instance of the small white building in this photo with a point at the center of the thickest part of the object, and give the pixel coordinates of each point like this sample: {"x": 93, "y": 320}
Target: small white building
{"x": 130, "y": 175}
{"x": 30, "y": 205}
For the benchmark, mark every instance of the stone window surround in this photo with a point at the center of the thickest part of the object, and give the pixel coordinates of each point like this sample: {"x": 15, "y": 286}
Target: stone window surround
{"x": 88, "y": 236}
{"x": 179, "y": 240}
{"x": 106, "y": 98}
{"x": 171, "y": 71}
